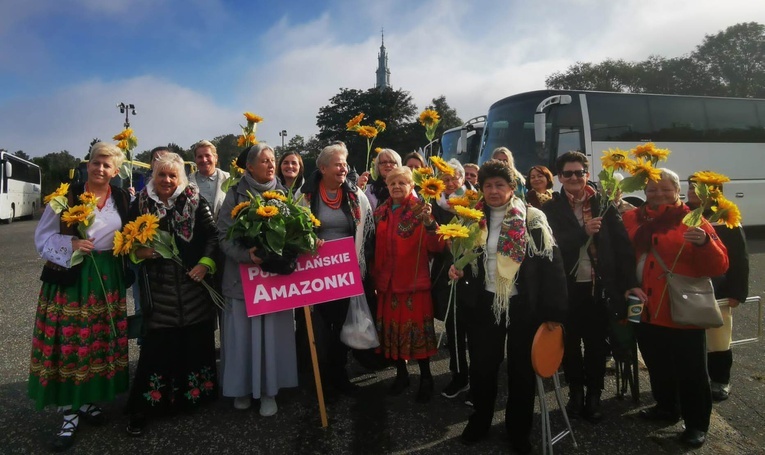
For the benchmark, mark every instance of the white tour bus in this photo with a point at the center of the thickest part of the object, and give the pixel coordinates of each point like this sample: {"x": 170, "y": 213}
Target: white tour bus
{"x": 463, "y": 142}
{"x": 725, "y": 135}
{"x": 19, "y": 187}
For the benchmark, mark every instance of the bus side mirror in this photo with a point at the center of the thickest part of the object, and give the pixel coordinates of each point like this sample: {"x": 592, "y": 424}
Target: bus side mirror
{"x": 540, "y": 122}
{"x": 8, "y": 169}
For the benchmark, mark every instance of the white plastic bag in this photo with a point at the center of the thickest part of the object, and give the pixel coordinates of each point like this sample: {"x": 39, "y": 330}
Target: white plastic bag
{"x": 359, "y": 330}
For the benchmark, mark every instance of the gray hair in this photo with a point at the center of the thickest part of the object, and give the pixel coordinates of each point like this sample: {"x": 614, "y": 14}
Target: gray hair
{"x": 256, "y": 150}
{"x": 460, "y": 171}
{"x": 171, "y": 161}
{"x": 392, "y": 154}
{"x": 326, "y": 154}
{"x": 667, "y": 174}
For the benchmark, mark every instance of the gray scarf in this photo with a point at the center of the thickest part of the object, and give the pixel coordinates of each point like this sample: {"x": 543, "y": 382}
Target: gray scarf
{"x": 259, "y": 187}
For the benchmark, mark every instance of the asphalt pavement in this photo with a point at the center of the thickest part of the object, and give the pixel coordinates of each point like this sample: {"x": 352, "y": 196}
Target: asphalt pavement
{"x": 371, "y": 422}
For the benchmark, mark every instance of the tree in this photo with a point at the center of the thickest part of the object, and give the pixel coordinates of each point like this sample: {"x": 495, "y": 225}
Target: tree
{"x": 55, "y": 169}
{"x": 394, "y": 107}
{"x": 730, "y": 63}
{"x": 22, "y": 155}
{"x": 735, "y": 58}
{"x": 295, "y": 144}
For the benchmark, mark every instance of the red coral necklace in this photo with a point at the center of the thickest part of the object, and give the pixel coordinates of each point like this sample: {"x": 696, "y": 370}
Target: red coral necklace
{"x": 333, "y": 203}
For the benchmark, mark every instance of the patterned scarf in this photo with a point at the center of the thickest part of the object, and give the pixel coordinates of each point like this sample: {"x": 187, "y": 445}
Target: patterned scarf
{"x": 544, "y": 196}
{"x": 183, "y": 204}
{"x": 408, "y": 221}
{"x": 514, "y": 243}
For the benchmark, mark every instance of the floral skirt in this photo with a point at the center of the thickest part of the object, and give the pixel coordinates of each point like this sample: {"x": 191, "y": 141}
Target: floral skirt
{"x": 176, "y": 370}
{"x": 79, "y": 344}
{"x": 405, "y": 325}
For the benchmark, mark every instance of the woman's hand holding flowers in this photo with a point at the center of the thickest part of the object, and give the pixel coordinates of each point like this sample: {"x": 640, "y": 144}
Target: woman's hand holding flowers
{"x": 146, "y": 253}
{"x": 592, "y": 227}
{"x": 695, "y": 235}
{"x": 198, "y": 272}
{"x": 455, "y": 273}
{"x": 255, "y": 260}
{"x": 83, "y": 245}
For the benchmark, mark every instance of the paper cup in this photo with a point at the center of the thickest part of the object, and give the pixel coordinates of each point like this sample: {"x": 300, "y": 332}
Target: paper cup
{"x": 634, "y": 309}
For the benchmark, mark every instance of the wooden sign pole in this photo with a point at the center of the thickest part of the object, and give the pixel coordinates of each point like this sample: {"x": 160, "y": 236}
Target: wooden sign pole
{"x": 315, "y": 361}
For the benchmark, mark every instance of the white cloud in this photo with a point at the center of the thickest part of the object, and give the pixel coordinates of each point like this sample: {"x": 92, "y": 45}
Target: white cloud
{"x": 73, "y": 117}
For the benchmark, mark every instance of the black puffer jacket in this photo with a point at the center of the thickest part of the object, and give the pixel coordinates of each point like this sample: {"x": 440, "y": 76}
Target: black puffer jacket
{"x": 177, "y": 300}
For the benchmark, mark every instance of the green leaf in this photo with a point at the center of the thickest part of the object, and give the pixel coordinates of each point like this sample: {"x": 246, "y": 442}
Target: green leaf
{"x": 693, "y": 219}
{"x": 275, "y": 241}
{"x": 77, "y": 257}
{"x": 125, "y": 170}
{"x": 59, "y": 204}
{"x": 633, "y": 183}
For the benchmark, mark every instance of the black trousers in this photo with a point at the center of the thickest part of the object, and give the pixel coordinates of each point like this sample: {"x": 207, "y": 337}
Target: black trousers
{"x": 719, "y": 365}
{"x": 335, "y": 356}
{"x": 487, "y": 341}
{"x": 677, "y": 366}
{"x": 457, "y": 338}
{"x": 586, "y": 326}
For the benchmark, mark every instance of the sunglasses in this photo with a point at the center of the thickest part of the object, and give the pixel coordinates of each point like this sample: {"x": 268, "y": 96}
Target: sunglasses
{"x": 579, "y": 173}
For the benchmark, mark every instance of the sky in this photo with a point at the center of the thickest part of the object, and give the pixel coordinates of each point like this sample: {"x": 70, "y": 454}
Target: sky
{"x": 192, "y": 67}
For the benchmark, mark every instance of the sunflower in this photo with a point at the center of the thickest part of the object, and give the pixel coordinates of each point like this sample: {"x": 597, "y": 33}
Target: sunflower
{"x": 471, "y": 214}
{"x": 645, "y": 167}
{"x": 314, "y": 220}
{"x": 119, "y": 243}
{"x": 727, "y": 213}
{"x": 459, "y": 201}
{"x": 442, "y": 166}
{"x": 354, "y": 122}
{"x": 88, "y": 198}
{"x": 267, "y": 211}
{"x": 235, "y": 169}
{"x": 242, "y": 140}
{"x": 453, "y": 231}
{"x": 122, "y": 145}
{"x": 428, "y": 117}
{"x": 380, "y": 125}
{"x": 649, "y": 151}
{"x": 274, "y": 195}
{"x": 378, "y": 150}
{"x": 424, "y": 171}
{"x": 709, "y": 178}
{"x": 472, "y": 195}
{"x": 77, "y": 214}
{"x": 62, "y": 190}
{"x": 252, "y": 118}
{"x": 126, "y": 133}
{"x": 235, "y": 211}
{"x": 616, "y": 159}
{"x": 432, "y": 188}
{"x": 368, "y": 132}
{"x": 146, "y": 228}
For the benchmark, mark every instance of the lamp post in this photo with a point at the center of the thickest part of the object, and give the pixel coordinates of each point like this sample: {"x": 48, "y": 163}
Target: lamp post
{"x": 127, "y": 109}
{"x": 283, "y": 134}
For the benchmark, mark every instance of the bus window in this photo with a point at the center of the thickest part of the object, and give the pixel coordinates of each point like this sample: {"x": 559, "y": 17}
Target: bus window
{"x": 732, "y": 120}
{"x": 618, "y": 117}
{"x": 677, "y": 119}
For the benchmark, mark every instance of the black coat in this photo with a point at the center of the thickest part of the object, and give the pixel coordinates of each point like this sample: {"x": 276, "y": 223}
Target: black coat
{"x": 735, "y": 283}
{"x": 542, "y": 293}
{"x": 177, "y": 300}
{"x": 615, "y": 266}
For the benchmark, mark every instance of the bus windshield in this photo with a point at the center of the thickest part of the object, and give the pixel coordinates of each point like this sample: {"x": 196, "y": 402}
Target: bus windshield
{"x": 511, "y": 124}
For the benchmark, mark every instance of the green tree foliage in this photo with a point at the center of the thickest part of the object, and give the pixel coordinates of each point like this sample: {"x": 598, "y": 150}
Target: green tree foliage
{"x": 21, "y": 154}
{"x": 55, "y": 169}
{"x": 729, "y": 63}
{"x": 394, "y": 107}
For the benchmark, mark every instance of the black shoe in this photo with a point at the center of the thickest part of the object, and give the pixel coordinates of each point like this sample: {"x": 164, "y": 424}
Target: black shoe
{"x": 657, "y": 414}
{"x": 522, "y": 447}
{"x": 592, "y": 412}
{"x": 575, "y": 406}
{"x": 93, "y": 415}
{"x": 64, "y": 439}
{"x": 456, "y": 386}
{"x": 425, "y": 391}
{"x": 473, "y": 433}
{"x": 693, "y": 438}
{"x": 135, "y": 425}
{"x": 469, "y": 399}
{"x": 399, "y": 385}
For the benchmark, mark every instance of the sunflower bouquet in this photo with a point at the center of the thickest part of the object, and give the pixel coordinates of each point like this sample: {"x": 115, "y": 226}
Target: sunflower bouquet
{"x": 369, "y": 132}
{"x": 707, "y": 185}
{"x": 81, "y": 214}
{"x": 126, "y": 141}
{"x": 641, "y": 168}
{"x": 464, "y": 229}
{"x": 430, "y": 179}
{"x": 144, "y": 232}
{"x": 246, "y": 139}
{"x": 277, "y": 226}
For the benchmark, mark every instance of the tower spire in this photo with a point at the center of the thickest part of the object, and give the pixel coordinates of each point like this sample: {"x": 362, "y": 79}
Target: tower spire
{"x": 383, "y": 73}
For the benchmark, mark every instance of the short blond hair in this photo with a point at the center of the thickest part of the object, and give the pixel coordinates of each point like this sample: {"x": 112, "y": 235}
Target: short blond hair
{"x": 201, "y": 144}
{"x": 107, "y": 150}
{"x": 400, "y": 171}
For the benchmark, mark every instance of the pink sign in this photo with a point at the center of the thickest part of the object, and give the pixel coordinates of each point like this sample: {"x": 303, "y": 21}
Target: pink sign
{"x": 331, "y": 274}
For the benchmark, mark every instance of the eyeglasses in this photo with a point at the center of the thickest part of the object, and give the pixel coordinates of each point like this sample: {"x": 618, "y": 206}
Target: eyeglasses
{"x": 579, "y": 173}
{"x": 385, "y": 163}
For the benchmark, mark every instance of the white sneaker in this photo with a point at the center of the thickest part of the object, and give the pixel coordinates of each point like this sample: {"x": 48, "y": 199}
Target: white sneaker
{"x": 242, "y": 402}
{"x": 268, "y": 406}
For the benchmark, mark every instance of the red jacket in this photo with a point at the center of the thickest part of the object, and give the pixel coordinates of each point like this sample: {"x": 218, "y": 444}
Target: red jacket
{"x": 397, "y": 239}
{"x": 709, "y": 259}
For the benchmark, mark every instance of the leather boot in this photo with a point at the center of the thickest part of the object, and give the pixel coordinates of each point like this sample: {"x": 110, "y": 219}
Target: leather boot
{"x": 592, "y": 410}
{"x": 575, "y": 405}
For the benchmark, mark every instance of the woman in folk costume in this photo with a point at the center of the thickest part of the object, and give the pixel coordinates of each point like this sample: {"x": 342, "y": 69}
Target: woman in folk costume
{"x": 516, "y": 285}
{"x": 405, "y": 229}
{"x": 80, "y": 345}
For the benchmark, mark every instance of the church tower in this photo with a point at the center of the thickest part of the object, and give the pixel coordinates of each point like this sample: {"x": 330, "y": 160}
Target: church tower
{"x": 383, "y": 73}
